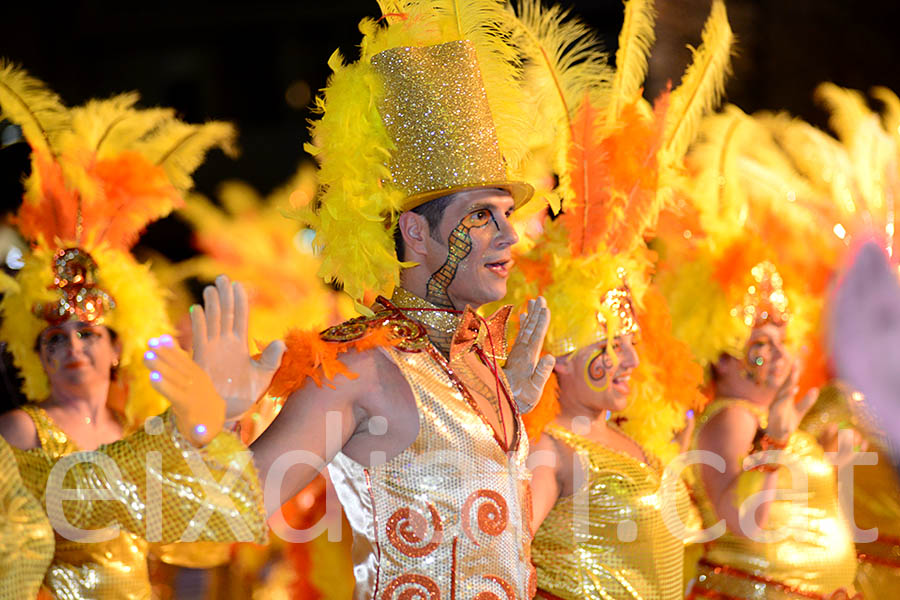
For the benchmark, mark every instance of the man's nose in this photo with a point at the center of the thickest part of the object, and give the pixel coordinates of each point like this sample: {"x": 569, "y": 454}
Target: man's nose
{"x": 506, "y": 233}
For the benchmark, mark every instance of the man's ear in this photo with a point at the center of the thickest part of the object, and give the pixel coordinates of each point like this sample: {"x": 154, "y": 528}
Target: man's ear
{"x": 414, "y": 229}
{"x": 563, "y": 365}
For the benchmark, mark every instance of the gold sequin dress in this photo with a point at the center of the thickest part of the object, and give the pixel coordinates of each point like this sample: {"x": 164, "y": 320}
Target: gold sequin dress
{"x": 876, "y": 491}
{"x": 817, "y": 556}
{"x": 616, "y": 538}
{"x": 154, "y": 464}
{"x": 446, "y": 518}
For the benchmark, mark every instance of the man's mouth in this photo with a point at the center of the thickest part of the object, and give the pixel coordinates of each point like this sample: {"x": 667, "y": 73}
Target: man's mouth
{"x": 500, "y": 267}
{"x": 621, "y": 382}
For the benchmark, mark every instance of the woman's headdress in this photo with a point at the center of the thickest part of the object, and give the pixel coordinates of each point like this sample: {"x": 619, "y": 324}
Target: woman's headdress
{"x": 617, "y": 159}
{"x": 99, "y": 174}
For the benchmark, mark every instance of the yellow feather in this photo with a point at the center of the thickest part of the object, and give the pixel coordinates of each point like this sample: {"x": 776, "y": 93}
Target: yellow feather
{"x": 107, "y": 127}
{"x": 28, "y": 103}
{"x": 180, "y": 148}
{"x": 702, "y": 84}
{"x": 564, "y": 62}
{"x": 847, "y": 107}
{"x": 635, "y": 40}
{"x": 891, "y": 112}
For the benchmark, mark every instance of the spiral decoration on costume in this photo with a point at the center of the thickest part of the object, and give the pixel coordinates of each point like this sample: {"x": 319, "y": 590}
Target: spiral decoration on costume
{"x": 414, "y": 587}
{"x": 404, "y": 527}
{"x": 347, "y": 331}
{"x": 507, "y": 589}
{"x": 492, "y": 514}
{"x": 79, "y": 295}
{"x": 412, "y": 335}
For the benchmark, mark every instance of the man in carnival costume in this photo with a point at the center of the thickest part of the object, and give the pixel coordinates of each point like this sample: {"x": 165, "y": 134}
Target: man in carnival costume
{"x": 426, "y": 447}
{"x": 77, "y": 318}
{"x": 592, "y": 265}
{"x": 750, "y": 253}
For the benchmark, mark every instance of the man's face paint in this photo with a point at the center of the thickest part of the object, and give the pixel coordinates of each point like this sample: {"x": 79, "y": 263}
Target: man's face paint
{"x": 478, "y": 252}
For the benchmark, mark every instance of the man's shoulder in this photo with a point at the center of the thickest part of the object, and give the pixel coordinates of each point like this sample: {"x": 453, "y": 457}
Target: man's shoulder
{"x": 385, "y": 327}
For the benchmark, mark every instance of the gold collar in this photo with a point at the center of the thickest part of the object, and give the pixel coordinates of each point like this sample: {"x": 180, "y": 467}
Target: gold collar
{"x": 439, "y": 319}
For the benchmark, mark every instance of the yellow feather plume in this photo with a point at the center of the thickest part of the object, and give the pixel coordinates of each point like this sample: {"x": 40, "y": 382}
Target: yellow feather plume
{"x": 635, "y": 40}
{"x": 180, "y": 148}
{"x": 847, "y": 109}
{"x": 107, "y": 127}
{"x": 28, "y": 103}
{"x": 564, "y": 63}
{"x": 891, "y": 112}
{"x": 702, "y": 85}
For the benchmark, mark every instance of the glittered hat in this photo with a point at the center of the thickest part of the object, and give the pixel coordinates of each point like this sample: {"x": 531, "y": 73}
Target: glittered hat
{"x": 437, "y": 115}
{"x": 434, "y": 105}
{"x": 99, "y": 174}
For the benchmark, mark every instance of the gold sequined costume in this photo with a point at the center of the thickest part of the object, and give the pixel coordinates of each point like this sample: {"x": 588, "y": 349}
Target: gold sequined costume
{"x": 446, "y": 517}
{"x": 876, "y": 490}
{"x": 616, "y": 538}
{"x": 117, "y": 569}
{"x": 817, "y": 556}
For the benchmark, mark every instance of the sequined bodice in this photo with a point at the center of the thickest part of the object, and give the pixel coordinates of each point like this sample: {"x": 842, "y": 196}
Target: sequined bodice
{"x": 446, "y": 517}
{"x": 617, "y": 537}
{"x": 111, "y": 570}
{"x": 817, "y": 553}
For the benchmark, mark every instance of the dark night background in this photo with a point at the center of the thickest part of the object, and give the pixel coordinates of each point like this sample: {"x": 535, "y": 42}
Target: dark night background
{"x": 243, "y": 61}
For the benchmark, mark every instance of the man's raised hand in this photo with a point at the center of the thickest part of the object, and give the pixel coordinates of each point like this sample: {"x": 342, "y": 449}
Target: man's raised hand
{"x": 525, "y": 370}
{"x": 221, "y": 347}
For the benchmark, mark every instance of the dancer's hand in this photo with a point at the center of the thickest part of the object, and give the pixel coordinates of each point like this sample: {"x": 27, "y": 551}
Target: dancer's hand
{"x": 526, "y": 371}
{"x": 198, "y": 409}
{"x": 785, "y": 414}
{"x": 222, "y": 350}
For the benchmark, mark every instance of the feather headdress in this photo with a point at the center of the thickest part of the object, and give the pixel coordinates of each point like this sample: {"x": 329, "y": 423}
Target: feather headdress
{"x": 250, "y": 240}
{"x": 362, "y": 192}
{"x": 757, "y": 250}
{"x": 622, "y": 155}
{"x": 100, "y": 173}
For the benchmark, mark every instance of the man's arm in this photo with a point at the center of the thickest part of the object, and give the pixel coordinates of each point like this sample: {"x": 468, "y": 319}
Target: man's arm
{"x": 314, "y": 425}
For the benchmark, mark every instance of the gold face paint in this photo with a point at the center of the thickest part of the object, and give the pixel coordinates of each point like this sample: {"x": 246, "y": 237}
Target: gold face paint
{"x": 459, "y": 247}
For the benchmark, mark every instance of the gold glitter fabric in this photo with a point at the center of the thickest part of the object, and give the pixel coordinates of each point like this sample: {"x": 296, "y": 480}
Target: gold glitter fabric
{"x": 816, "y": 557}
{"x": 876, "y": 490}
{"x": 168, "y": 492}
{"x": 446, "y": 518}
{"x": 26, "y": 538}
{"x": 436, "y": 112}
{"x": 617, "y": 537}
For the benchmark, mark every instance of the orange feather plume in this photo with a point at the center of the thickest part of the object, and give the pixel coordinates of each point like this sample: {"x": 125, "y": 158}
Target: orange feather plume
{"x": 615, "y": 178}
{"x": 308, "y": 356}
{"x": 51, "y": 212}
{"x": 544, "y": 412}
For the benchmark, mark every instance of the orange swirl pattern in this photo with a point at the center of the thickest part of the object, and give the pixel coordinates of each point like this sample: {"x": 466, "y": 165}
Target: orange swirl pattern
{"x": 492, "y": 514}
{"x": 507, "y": 589}
{"x": 404, "y": 529}
{"x": 414, "y": 587}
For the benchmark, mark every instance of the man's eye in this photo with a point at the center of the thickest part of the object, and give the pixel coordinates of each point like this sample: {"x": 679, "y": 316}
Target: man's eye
{"x": 477, "y": 218}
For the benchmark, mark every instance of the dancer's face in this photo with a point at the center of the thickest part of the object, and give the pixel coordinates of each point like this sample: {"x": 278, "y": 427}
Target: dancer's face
{"x": 470, "y": 253}
{"x": 592, "y": 379}
{"x": 75, "y": 354}
{"x": 768, "y": 361}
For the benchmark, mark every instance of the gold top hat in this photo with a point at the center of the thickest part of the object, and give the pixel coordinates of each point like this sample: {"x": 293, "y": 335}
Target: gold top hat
{"x": 436, "y": 112}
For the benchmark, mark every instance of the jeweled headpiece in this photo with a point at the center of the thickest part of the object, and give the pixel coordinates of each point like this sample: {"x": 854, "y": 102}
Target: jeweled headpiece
{"x": 79, "y": 296}
{"x": 765, "y": 301}
{"x": 99, "y": 174}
